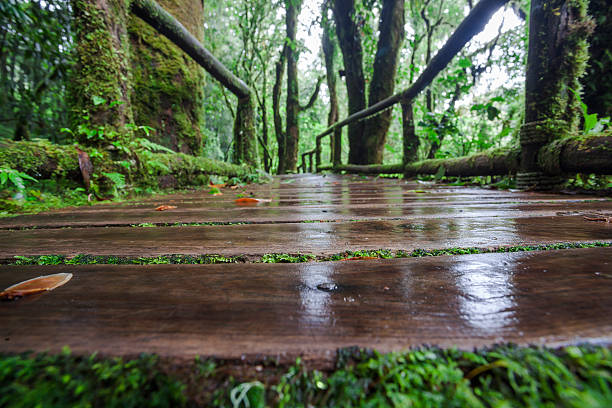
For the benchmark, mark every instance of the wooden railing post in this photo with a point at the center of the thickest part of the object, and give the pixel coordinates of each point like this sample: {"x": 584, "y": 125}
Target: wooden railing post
{"x": 318, "y": 153}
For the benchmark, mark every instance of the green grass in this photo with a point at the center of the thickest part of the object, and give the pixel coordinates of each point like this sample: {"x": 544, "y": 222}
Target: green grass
{"x": 85, "y": 259}
{"x": 504, "y": 376}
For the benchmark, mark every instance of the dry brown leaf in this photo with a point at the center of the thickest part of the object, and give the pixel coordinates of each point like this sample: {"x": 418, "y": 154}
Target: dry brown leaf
{"x": 216, "y": 185}
{"x": 35, "y": 285}
{"x": 165, "y": 207}
{"x": 599, "y": 218}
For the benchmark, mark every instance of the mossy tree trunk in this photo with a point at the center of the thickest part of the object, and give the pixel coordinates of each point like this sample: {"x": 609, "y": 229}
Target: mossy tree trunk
{"x": 245, "y": 146}
{"x": 391, "y": 27}
{"x": 556, "y": 61}
{"x": 292, "y": 133}
{"x": 100, "y": 84}
{"x": 410, "y": 138}
{"x": 329, "y": 53}
{"x": 349, "y": 39}
{"x": 276, "y": 101}
{"x": 167, "y": 83}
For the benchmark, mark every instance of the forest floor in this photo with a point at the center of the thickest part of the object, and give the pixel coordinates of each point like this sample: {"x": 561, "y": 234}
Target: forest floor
{"x": 315, "y": 264}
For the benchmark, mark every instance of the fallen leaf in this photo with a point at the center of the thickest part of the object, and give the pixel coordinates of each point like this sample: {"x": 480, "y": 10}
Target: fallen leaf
{"x": 35, "y": 285}
{"x": 216, "y": 185}
{"x": 599, "y": 218}
{"x": 234, "y": 187}
{"x": 250, "y": 201}
{"x": 165, "y": 207}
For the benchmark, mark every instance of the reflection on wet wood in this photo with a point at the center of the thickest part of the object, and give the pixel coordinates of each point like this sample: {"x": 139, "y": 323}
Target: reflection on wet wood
{"x": 554, "y": 297}
{"x": 312, "y": 238}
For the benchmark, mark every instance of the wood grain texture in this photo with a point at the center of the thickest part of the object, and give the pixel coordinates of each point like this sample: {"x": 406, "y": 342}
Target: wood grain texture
{"x": 310, "y": 238}
{"x": 279, "y": 310}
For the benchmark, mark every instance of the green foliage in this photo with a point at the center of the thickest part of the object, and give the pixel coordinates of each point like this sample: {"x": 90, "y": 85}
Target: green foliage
{"x": 503, "y": 376}
{"x": 66, "y": 381}
{"x": 15, "y": 177}
{"x": 591, "y": 122}
{"x": 35, "y": 54}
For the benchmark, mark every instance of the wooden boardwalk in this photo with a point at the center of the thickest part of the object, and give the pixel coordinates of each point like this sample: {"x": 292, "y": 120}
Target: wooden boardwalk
{"x": 256, "y": 310}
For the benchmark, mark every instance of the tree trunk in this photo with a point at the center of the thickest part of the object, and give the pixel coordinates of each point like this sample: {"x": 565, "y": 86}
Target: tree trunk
{"x": 352, "y": 54}
{"x": 383, "y": 80}
{"x": 278, "y": 121}
{"x": 292, "y": 134}
{"x": 245, "y": 142}
{"x": 489, "y": 163}
{"x": 557, "y": 59}
{"x": 329, "y": 52}
{"x": 411, "y": 139}
{"x": 167, "y": 84}
{"x": 99, "y": 88}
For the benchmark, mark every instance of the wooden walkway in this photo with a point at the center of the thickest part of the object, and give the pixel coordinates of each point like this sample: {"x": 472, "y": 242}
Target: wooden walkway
{"x": 256, "y": 310}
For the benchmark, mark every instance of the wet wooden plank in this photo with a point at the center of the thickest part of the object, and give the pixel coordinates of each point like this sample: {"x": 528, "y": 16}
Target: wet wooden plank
{"x": 282, "y": 311}
{"x": 267, "y": 213}
{"x": 311, "y": 238}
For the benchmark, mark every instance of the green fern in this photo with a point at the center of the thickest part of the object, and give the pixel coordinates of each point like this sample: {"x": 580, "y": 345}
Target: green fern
{"x": 118, "y": 179}
{"x": 17, "y": 178}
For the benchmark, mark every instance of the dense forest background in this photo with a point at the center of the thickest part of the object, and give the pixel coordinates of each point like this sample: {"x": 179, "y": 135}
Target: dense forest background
{"x": 473, "y": 105}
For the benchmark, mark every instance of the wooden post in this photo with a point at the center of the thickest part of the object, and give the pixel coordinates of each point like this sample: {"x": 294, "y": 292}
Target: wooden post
{"x": 556, "y": 60}
{"x": 337, "y": 143}
{"x": 318, "y": 153}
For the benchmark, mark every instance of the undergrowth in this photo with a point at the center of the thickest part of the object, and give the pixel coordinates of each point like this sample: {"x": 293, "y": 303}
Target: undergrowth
{"x": 504, "y": 376}
{"x": 84, "y": 259}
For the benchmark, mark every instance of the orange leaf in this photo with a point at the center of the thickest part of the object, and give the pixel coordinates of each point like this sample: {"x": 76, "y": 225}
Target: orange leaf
{"x": 216, "y": 185}
{"x": 250, "y": 201}
{"x": 35, "y": 285}
{"x": 165, "y": 207}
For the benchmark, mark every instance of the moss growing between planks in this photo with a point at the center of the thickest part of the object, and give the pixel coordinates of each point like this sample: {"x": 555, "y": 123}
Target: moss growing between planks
{"x": 167, "y": 84}
{"x": 100, "y": 83}
{"x": 85, "y": 259}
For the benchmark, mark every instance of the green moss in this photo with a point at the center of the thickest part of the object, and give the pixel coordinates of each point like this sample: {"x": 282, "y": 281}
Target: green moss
{"x": 102, "y": 69}
{"x": 40, "y": 159}
{"x": 84, "y": 259}
{"x": 167, "y": 83}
